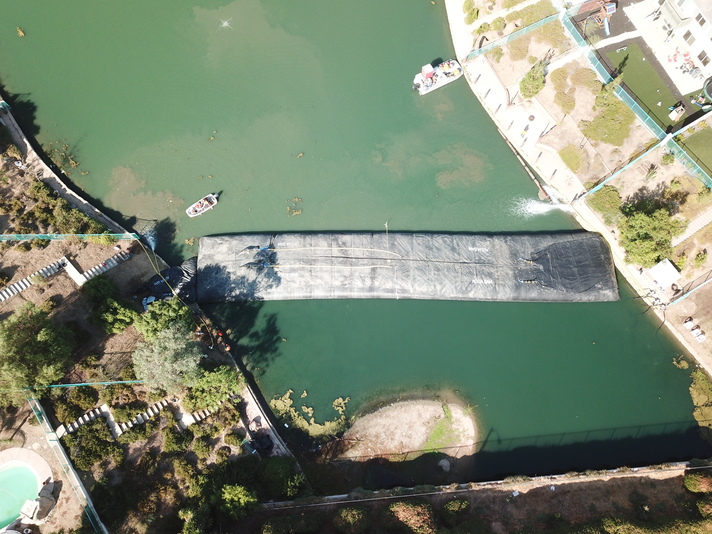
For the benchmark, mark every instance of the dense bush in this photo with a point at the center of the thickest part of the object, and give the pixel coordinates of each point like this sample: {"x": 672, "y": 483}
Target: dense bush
{"x": 482, "y": 28}
{"x": 91, "y": 444}
{"x": 202, "y": 447}
{"x": 612, "y": 124}
{"x": 410, "y": 516}
{"x": 533, "y": 81}
{"x": 647, "y": 238}
{"x": 587, "y": 78}
{"x": 162, "y": 314}
{"x": 175, "y": 441}
{"x": 34, "y": 351}
{"x": 498, "y": 24}
{"x": 519, "y": 48}
{"x": 168, "y": 361}
{"x": 699, "y": 481}
{"x": 213, "y": 387}
{"x": 607, "y": 201}
{"x": 571, "y": 155}
{"x": 237, "y": 501}
{"x": 566, "y": 101}
{"x": 85, "y": 397}
{"x": 559, "y": 78}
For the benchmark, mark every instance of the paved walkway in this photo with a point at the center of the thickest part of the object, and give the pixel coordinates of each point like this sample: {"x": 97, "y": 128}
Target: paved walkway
{"x": 523, "y": 124}
{"x": 695, "y": 226}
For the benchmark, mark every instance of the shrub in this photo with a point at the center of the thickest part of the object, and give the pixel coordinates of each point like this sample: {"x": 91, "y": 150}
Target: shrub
{"x": 161, "y": 314}
{"x": 483, "y": 28}
{"x": 612, "y": 124}
{"x": 85, "y": 397}
{"x": 105, "y": 238}
{"x": 559, "y": 78}
{"x": 498, "y": 24}
{"x": 701, "y": 258}
{"x": 519, "y": 48}
{"x": 201, "y": 447}
{"x": 508, "y": 4}
{"x": 234, "y": 440}
{"x": 571, "y": 155}
{"x": 416, "y": 517}
{"x": 566, "y": 101}
{"x": 4, "y": 278}
{"x": 467, "y": 6}
{"x": 472, "y": 16}
{"x": 115, "y": 317}
{"x": 704, "y": 506}
{"x": 175, "y": 441}
{"x": 237, "y": 501}
{"x": 91, "y": 444}
{"x": 584, "y": 77}
{"x": 699, "y": 482}
{"x": 647, "y": 238}
{"x": 607, "y": 201}
{"x": 533, "y": 81}
{"x": 66, "y": 412}
{"x": 454, "y": 510}
{"x": 100, "y": 288}
{"x": 496, "y": 54}
{"x": 668, "y": 158}
{"x": 213, "y": 387}
{"x": 352, "y": 520}
{"x": 276, "y": 473}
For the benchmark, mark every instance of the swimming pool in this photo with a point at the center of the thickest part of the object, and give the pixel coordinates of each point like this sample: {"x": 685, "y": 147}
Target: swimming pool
{"x": 18, "y": 482}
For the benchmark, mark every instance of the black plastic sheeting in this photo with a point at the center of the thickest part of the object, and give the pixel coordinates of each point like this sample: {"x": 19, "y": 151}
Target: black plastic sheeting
{"x": 543, "y": 267}
{"x": 182, "y": 279}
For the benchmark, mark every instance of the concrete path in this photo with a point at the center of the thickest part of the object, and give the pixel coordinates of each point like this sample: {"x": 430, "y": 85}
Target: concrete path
{"x": 695, "y": 226}
{"x": 523, "y": 124}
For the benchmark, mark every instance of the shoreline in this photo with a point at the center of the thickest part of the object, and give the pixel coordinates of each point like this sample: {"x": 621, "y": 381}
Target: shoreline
{"x": 560, "y": 180}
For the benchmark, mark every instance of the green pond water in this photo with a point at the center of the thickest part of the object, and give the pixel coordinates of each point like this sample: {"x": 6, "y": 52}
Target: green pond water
{"x": 138, "y": 92}
{"x": 17, "y": 484}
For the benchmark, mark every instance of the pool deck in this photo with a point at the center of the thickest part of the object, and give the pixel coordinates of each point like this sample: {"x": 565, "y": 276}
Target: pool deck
{"x": 29, "y": 458}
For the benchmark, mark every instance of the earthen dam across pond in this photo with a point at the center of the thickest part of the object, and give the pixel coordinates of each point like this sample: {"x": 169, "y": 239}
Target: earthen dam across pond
{"x": 534, "y": 267}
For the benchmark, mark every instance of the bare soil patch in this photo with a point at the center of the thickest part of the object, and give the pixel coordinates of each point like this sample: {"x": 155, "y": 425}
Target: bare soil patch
{"x": 414, "y": 425}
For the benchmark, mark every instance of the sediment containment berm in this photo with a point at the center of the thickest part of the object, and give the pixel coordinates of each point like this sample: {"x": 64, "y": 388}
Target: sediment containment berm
{"x": 541, "y": 267}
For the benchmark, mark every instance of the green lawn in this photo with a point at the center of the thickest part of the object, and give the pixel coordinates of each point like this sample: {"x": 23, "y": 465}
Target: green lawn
{"x": 642, "y": 80}
{"x": 700, "y": 144}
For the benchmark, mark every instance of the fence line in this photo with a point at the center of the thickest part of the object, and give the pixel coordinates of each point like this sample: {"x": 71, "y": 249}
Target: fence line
{"x": 59, "y": 237}
{"x": 71, "y": 475}
{"x": 507, "y": 38}
{"x": 545, "y": 440}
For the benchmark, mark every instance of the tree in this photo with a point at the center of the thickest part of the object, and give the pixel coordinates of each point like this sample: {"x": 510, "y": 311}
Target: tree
{"x": 237, "y": 501}
{"x": 213, "y": 387}
{"x": 161, "y": 314}
{"x": 647, "y": 237}
{"x": 168, "y": 361}
{"x": 534, "y": 80}
{"x": 33, "y": 351}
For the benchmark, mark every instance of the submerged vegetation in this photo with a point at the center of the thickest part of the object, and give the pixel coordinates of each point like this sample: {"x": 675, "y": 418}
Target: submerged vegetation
{"x": 284, "y": 408}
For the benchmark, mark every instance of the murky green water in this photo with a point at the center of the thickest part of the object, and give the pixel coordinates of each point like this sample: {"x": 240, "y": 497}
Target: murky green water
{"x": 162, "y": 102}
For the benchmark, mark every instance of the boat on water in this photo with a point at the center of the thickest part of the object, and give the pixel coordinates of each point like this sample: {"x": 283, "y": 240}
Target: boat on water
{"x": 206, "y": 203}
{"x": 430, "y": 78}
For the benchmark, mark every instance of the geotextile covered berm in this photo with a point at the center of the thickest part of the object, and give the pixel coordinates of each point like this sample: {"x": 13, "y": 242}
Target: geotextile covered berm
{"x": 549, "y": 267}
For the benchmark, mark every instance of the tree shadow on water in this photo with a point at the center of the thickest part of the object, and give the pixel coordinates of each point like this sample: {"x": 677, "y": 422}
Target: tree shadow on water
{"x": 23, "y": 109}
{"x": 257, "y": 339}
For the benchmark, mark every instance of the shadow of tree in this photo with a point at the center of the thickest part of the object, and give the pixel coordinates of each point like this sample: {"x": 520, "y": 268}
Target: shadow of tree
{"x": 647, "y": 200}
{"x": 257, "y": 339}
{"x": 23, "y": 109}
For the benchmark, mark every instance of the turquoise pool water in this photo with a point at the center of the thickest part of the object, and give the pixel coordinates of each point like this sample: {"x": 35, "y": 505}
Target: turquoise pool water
{"x": 17, "y": 484}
